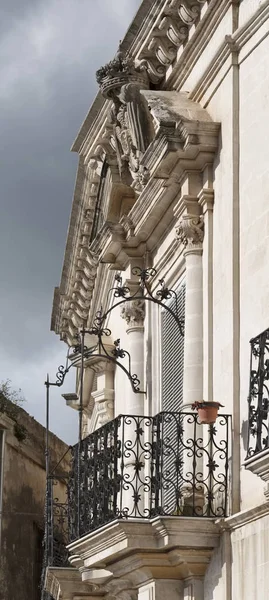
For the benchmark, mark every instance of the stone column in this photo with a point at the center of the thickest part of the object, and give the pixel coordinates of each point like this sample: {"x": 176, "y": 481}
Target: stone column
{"x": 190, "y": 233}
{"x": 134, "y": 313}
{"x": 135, "y": 431}
{"x": 206, "y": 201}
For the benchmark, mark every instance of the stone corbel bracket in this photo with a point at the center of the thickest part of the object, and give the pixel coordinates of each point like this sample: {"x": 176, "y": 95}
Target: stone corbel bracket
{"x": 186, "y": 137}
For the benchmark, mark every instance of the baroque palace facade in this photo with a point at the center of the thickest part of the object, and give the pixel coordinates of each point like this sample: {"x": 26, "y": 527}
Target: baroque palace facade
{"x": 164, "y": 284}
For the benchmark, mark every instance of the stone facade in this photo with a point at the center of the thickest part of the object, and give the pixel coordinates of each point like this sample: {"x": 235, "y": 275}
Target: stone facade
{"x": 22, "y": 502}
{"x": 172, "y": 153}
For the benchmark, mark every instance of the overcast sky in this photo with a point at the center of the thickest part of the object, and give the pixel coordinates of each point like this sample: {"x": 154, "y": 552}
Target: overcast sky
{"x": 49, "y": 52}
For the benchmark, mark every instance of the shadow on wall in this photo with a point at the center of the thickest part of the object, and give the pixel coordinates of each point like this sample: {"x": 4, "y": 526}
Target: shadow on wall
{"x": 21, "y": 546}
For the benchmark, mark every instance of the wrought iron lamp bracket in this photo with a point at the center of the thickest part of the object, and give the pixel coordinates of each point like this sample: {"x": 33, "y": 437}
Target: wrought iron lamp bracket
{"x": 98, "y": 329}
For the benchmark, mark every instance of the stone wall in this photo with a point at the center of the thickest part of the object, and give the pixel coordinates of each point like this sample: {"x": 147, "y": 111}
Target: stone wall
{"x": 23, "y": 504}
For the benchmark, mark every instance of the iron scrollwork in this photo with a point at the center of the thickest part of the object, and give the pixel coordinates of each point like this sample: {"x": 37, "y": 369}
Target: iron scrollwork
{"x": 258, "y": 398}
{"x": 141, "y": 467}
{"x": 143, "y": 292}
{"x": 57, "y": 528}
{"x": 100, "y": 331}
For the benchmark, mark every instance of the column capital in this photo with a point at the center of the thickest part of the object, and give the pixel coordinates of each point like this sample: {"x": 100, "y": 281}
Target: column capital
{"x": 190, "y": 233}
{"x": 133, "y": 312}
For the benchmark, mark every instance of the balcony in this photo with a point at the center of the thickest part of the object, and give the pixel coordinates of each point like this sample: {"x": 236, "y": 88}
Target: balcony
{"x": 145, "y": 484}
{"x": 137, "y": 467}
{"x": 140, "y": 467}
{"x": 257, "y": 459}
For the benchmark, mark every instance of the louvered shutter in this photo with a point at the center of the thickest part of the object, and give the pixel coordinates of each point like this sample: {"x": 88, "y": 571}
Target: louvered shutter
{"x": 173, "y": 353}
{"x": 172, "y": 397}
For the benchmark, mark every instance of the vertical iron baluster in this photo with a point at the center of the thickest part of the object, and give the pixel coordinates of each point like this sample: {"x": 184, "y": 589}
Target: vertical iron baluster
{"x": 122, "y": 465}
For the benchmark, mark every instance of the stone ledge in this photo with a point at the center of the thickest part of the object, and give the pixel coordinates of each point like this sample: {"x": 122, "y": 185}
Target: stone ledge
{"x": 242, "y": 518}
{"x": 259, "y": 464}
{"x": 66, "y": 584}
{"x": 179, "y": 546}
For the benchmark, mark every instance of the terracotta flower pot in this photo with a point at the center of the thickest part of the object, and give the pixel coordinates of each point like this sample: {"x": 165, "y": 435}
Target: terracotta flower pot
{"x": 207, "y": 411}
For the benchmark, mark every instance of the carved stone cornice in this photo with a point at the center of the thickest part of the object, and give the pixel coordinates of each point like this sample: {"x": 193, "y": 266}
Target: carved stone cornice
{"x": 134, "y": 313}
{"x": 190, "y": 232}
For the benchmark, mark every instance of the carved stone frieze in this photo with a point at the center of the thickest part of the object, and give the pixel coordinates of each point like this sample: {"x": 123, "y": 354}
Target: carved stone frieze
{"x": 190, "y": 231}
{"x": 134, "y": 313}
{"x": 171, "y": 31}
{"x": 76, "y": 305}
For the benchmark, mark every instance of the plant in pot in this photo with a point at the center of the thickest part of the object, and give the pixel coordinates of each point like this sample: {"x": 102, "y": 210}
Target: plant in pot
{"x": 207, "y": 411}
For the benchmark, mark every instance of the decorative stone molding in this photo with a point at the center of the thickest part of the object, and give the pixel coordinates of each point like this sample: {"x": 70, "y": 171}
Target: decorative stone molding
{"x": 134, "y": 313}
{"x": 259, "y": 465}
{"x": 206, "y": 199}
{"x": 134, "y": 551}
{"x": 120, "y": 589}
{"x": 104, "y": 402}
{"x": 130, "y": 121}
{"x": 190, "y": 231}
{"x": 118, "y": 72}
{"x": 65, "y": 583}
{"x": 171, "y": 31}
{"x": 100, "y": 407}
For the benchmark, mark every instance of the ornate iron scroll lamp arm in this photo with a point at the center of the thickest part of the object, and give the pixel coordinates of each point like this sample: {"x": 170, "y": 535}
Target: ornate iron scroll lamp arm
{"x": 122, "y": 292}
{"x": 144, "y": 292}
{"x": 99, "y": 349}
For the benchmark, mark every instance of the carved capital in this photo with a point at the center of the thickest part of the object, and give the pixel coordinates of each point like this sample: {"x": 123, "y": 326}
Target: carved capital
{"x": 134, "y": 313}
{"x": 190, "y": 232}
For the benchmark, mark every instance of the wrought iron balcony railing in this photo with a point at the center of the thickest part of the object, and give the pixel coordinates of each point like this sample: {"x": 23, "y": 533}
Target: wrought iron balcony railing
{"x": 56, "y": 529}
{"x": 258, "y": 399}
{"x": 141, "y": 467}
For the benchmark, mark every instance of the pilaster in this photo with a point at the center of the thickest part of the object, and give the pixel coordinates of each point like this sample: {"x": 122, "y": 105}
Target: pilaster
{"x": 133, "y": 312}
{"x": 190, "y": 233}
{"x": 206, "y": 201}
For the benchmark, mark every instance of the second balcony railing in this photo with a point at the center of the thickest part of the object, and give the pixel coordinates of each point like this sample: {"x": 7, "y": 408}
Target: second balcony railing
{"x": 141, "y": 467}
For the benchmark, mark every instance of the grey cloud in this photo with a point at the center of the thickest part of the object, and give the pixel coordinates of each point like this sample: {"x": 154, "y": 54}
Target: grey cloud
{"x": 50, "y": 52}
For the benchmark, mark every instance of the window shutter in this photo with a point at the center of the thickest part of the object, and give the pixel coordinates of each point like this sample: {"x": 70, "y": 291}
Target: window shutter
{"x": 172, "y": 364}
{"x": 172, "y": 397}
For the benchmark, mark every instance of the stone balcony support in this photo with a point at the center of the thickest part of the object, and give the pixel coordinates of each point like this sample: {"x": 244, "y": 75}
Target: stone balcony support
{"x": 150, "y": 560}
